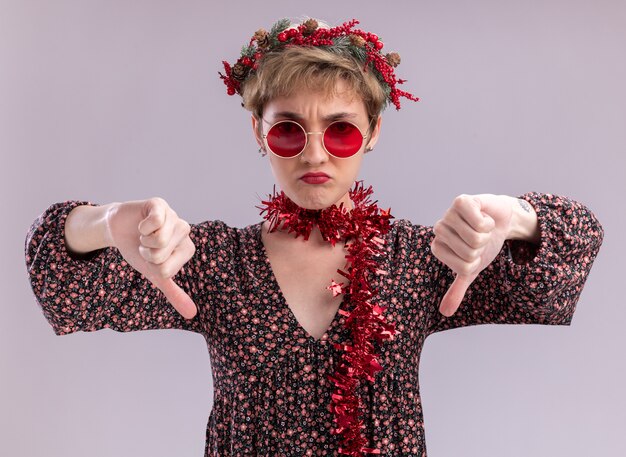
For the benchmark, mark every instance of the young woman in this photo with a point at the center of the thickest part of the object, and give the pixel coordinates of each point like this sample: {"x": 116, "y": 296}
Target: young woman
{"x": 314, "y": 317}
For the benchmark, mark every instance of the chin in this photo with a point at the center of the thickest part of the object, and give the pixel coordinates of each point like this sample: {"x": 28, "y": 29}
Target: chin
{"x": 318, "y": 198}
{"x": 307, "y": 204}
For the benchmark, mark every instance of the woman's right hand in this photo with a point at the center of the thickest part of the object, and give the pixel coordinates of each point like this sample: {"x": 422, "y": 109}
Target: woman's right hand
{"x": 155, "y": 242}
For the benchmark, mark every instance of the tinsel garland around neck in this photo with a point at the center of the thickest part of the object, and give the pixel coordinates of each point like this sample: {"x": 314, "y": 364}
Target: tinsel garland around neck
{"x": 363, "y": 228}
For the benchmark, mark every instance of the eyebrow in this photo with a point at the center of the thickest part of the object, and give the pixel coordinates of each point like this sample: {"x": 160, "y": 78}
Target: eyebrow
{"x": 330, "y": 117}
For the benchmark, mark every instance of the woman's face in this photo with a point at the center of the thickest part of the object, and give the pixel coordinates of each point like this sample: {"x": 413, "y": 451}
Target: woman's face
{"x": 314, "y": 111}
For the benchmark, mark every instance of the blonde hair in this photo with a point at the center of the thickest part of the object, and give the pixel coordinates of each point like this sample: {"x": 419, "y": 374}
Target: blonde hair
{"x": 319, "y": 69}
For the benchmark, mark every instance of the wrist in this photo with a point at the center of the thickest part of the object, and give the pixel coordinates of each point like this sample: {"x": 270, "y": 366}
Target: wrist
{"x": 86, "y": 228}
{"x": 524, "y": 222}
{"x": 105, "y": 224}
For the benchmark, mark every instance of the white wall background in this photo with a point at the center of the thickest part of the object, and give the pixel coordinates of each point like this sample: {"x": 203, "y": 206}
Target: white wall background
{"x": 120, "y": 100}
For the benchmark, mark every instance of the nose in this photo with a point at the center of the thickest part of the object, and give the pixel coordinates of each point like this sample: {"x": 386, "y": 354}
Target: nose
{"x": 314, "y": 152}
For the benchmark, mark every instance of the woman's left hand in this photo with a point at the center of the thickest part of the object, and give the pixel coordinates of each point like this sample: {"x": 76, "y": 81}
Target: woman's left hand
{"x": 467, "y": 239}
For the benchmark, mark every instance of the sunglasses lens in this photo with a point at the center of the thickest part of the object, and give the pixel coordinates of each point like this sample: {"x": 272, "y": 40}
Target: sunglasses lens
{"x": 286, "y": 139}
{"x": 343, "y": 139}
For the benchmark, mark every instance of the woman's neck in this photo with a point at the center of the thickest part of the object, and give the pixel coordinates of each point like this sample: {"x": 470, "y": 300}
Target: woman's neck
{"x": 315, "y": 241}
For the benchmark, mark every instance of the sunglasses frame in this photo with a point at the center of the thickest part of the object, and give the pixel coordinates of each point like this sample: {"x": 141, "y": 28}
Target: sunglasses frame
{"x": 306, "y": 134}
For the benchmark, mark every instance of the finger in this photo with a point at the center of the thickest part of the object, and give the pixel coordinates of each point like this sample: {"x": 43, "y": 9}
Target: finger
{"x": 466, "y": 232}
{"x": 173, "y": 264}
{"x": 178, "y": 298}
{"x": 170, "y": 234}
{"x": 454, "y": 296}
{"x": 469, "y": 208}
{"x": 155, "y": 211}
{"x": 448, "y": 233}
{"x": 447, "y": 256}
{"x": 162, "y": 254}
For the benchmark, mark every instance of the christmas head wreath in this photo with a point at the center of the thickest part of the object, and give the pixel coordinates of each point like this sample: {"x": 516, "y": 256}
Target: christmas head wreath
{"x": 364, "y": 46}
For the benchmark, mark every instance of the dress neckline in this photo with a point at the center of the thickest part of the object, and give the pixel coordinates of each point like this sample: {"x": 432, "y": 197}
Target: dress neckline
{"x": 273, "y": 283}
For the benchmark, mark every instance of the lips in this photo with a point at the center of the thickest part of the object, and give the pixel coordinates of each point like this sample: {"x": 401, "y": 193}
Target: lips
{"x": 315, "y": 175}
{"x": 315, "y": 178}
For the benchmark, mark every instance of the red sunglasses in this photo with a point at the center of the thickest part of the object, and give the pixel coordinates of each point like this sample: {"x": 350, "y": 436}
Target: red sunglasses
{"x": 287, "y": 139}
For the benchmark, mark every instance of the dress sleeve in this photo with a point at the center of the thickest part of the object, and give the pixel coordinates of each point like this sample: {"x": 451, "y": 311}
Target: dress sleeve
{"x": 101, "y": 290}
{"x": 526, "y": 283}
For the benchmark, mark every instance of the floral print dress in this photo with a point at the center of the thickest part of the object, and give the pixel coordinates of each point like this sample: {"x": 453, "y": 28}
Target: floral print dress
{"x": 271, "y": 391}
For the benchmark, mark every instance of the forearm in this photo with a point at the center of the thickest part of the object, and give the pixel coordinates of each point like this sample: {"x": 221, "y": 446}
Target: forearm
{"x": 524, "y": 222}
{"x": 86, "y": 229}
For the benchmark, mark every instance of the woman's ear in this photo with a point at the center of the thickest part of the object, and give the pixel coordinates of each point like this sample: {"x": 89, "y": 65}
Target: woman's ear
{"x": 257, "y": 131}
{"x": 375, "y": 133}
